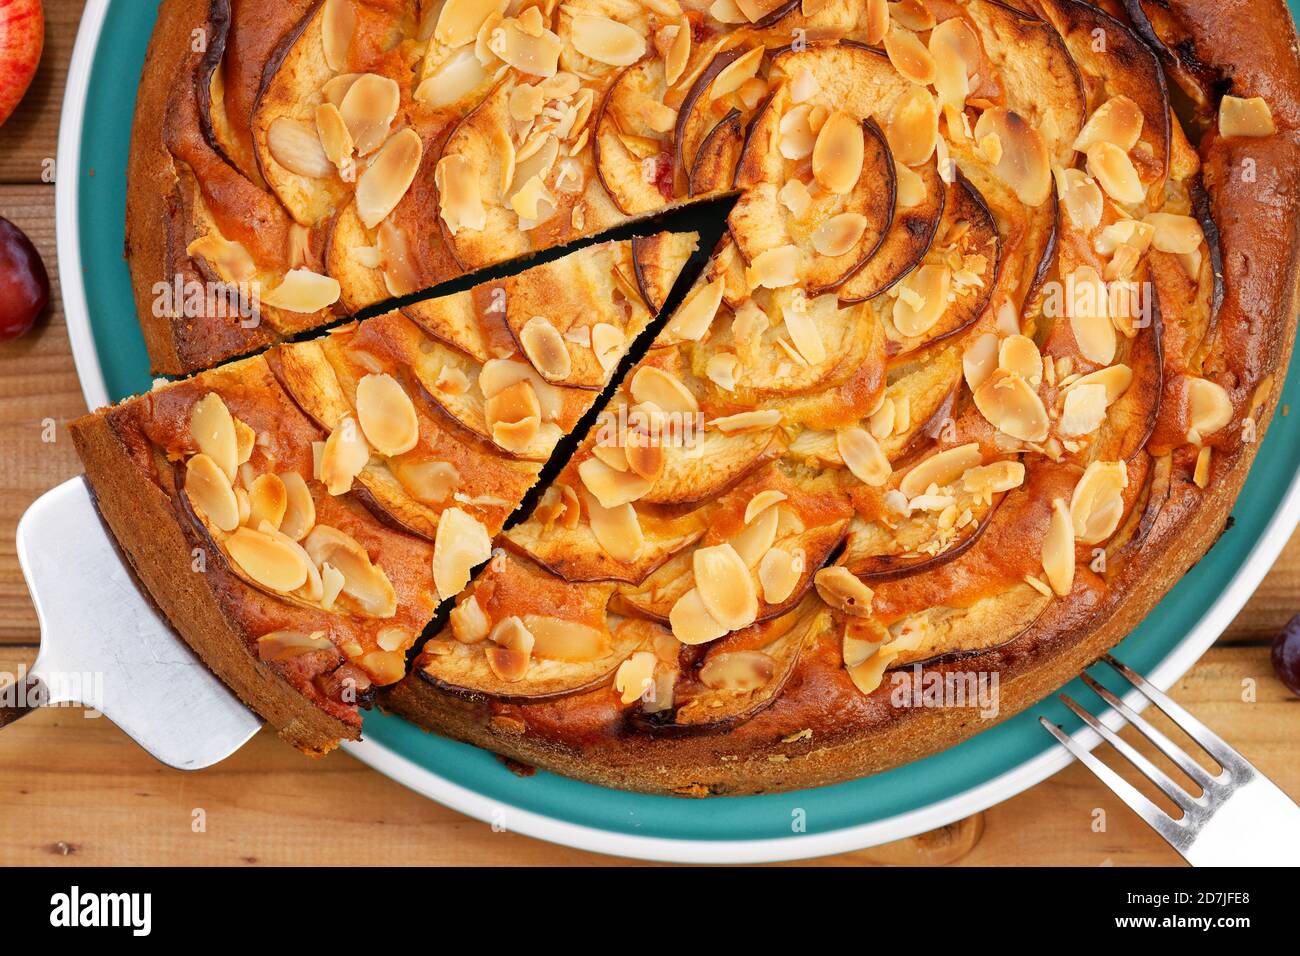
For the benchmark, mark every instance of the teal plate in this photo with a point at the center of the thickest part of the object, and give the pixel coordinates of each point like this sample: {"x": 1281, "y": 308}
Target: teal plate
{"x": 989, "y": 768}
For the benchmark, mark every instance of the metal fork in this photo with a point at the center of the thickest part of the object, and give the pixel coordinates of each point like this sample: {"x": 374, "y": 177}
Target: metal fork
{"x": 1241, "y": 817}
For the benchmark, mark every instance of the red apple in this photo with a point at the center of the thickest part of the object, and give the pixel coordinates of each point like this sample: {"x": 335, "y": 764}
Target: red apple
{"x": 22, "y": 36}
{"x": 24, "y": 284}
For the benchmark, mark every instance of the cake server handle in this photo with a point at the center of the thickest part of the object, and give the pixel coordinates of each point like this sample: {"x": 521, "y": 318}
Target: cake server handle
{"x": 20, "y": 698}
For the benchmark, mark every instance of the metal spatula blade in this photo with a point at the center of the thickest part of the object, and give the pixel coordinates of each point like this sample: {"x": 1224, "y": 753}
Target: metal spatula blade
{"x": 105, "y": 645}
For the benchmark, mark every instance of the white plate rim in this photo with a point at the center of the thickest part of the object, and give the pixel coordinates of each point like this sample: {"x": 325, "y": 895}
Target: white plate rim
{"x": 67, "y": 191}
{"x": 795, "y": 847}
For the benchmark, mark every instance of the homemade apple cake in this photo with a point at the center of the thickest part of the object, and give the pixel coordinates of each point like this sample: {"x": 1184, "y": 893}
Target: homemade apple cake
{"x": 298, "y": 515}
{"x": 1003, "y": 306}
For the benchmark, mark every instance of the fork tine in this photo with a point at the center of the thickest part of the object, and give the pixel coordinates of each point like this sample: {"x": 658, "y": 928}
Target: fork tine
{"x": 1126, "y": 750}
{"x": 1160, "y": 821}
{"x": 1165, "y": 745}
{"x": 1214, "y": 745}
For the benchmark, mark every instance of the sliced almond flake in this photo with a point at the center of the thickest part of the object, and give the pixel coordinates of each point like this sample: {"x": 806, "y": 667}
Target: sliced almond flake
{"x": 689, "y": 619}
{"x": 459, "y": 201}
{"x": 913, "y": 130}
{"x": 795, "y": 197}
{"x": 1209, "y": 408}
{"x": 774, "y": 268}
{"x": 617, "y": 529}
{"x": 343, "y": 456}
{"x": 1175, "y": 234}
{"x": 721, "y": 370}
{"x": 533, "y": 203}
{"x": 387, "y": 415}
{"x": 922, "y": 299}
{"x": 381, "y": 187}
{"x": 734, "y": 74}
{"x": 545, "y": 348}
{"x": 606, "y": 41}
{"x": 634, "y": 677}
{"x": 909, "y": 56}
{"x": 679, "y": 52}
{"x": 1097, "y": 504}
{"x": 303, "y": 291}
{"x": 297, "y": 147}
{"x": 537, "y": 55}
{"x": 1023, "y": 163}
{"x": 1201, "y": 475}
{"x": 610, "y": 487}
{"x": 461, "y": 543}
{"x": 1081, "y": 198}
{"x": 663, "y": 390}
{"x": 607, "y": 342}
{"x": 995, "y": 478}
{"x": 1088, "y": 306}
{"x": 762, "y": 501}
{"x": 459, "y": 21}
{"x": 779, "y": 572}
{"x": 369, "y": 109}
{"x": 747, "y": 421}
{"x": 1009, "y": 404}
{"x": 837, "y": 155}
{"x": 863, "y": 456}
{"x": 210, "y": 493}
{"x": 839, "y": 588}
{"x": 799, "y": 323}
{"x": 1084, "y": 410}
{"x": 839, "y": 234}
{"x": 1058, "y": 550}
{"x": 271, "y": 560}
{"x": 881, "y": 422}
{"x": 725, "y": 586}
{"x": 1118, "y": 121}
{"x": 338, "y": 24}
{"x": 1115, "y": 173}
{"x": 1245, "y": 117}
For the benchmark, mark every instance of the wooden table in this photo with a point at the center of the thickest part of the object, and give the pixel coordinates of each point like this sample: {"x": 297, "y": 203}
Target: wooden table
{"x": 76, "y": 791}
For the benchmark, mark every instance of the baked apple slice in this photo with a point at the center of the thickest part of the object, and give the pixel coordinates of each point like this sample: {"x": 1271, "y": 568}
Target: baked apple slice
{"x": 1132, "y": 87}
{"x": 577, "y": 538}
{"x": 519, "y": 633}
{"x": 781, "y": 343}
{"x": 239, "y": 271}
{"x": 811, "y": 224}
{"x": 950, "y": 289}
{"x": 938, "y": 634}
{"x": 244, "y": 39}
{"x": 740, "y": 675}
{"x": 718, "y": 156}
{"x": 784, "y": 533}
{"x": 500, "y": 199}
{"x": 631, "y": 144}
{"x": 920, "y": 193}
{"x": 408, "y": 483}
{"x": 657, "y": 261}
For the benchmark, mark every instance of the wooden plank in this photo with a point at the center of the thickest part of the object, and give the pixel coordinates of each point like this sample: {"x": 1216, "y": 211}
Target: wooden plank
{"x": 76, "y": 790}
{"x": 1274, "y": 603}
{"x": 39, "y": 395}
{"x": 29, "y": 138}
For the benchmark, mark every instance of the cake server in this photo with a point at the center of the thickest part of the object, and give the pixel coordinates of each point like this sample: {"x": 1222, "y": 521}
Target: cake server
{"x": 105, "y": 645}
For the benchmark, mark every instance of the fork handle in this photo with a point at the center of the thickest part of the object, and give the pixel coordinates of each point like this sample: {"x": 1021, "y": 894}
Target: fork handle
{"x": 20, "y": 698}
